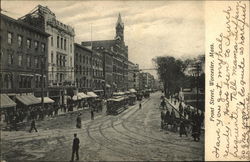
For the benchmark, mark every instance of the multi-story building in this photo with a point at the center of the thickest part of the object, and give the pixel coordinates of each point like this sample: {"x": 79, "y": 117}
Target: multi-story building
{"x": 146, "y": 81}
{"x": 133, "y": 75}
{"x": 60, "y": 58}
{"x": 88, "y": 69}
{"x": 22, "y": 58}
{"x": 119, "y": 52}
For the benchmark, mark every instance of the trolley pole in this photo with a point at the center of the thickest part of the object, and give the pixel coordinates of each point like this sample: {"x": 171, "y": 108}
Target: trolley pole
{"x": 42, "y": 88}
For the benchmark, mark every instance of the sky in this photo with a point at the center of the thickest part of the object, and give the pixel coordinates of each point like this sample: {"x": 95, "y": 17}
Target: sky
{"x": 152, "y": 28}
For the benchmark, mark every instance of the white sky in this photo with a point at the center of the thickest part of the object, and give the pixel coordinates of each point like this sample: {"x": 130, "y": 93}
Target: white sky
{"x": 151, "y": 28}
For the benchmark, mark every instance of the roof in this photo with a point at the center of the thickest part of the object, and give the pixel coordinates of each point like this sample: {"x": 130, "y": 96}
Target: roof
{"x": 82, "y": 47}
{"x": 18, "y": 22}
{"x": 102, "y": 43}
{"x": 6, "y": 101}
{"x": 119, "y": 21}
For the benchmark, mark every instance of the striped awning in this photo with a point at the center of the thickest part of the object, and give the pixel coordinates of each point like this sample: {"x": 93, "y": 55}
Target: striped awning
{"x": 46, "y": 100}
{"x": 91, "y": 94}
{"x": 6, "y": 101}
{"x": 28, "y": 99}
{"x": 82, "y": 95}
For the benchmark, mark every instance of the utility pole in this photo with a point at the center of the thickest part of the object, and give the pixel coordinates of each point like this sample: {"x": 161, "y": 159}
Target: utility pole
{"x": 42, "y": 88}
{"x": 104, "y": 73}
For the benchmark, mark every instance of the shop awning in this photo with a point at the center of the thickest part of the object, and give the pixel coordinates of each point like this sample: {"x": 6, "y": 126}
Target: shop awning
{"x": 46, "y": 100}
{"x": 75, "y": 98}
{"x": 6, "y": 101}
{"x": 132, "y": 90}
{"x": 108, "y": 86}
{"x": 82, "y": 95}
{"x": 118, "y": 93}
{"x": 28, "y": 99}
{"x": 116, "y": 99}
{"x": 91, "y": 94}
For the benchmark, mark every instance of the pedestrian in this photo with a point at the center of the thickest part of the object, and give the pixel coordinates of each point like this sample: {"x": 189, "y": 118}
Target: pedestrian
{"x": 183, "y": 129}
{"x": 75, "y": 148}
{"x": 79, "y": 121}
{"x": 196, "y": 131}
{"x": 140, "y": 105}
{"x": 180, "y": 109}
{"x": 162, "y": 119}
{"x": 33, "y": 125}
{"x": 92, "y": 114}
{"x": 172, "y": 118}
{"x": 167, "y": 118}
{"x": 14, "y": 122}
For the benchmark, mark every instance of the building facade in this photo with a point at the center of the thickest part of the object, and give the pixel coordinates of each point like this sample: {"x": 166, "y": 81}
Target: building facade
{"x": 23, "y": 55}
{"x": 60, "y": 57}
{"x": 88, "y": 69}
{"x": 119, "y": 52}
{"x": 146, "y": 81}
{"x": 133, "y": 76}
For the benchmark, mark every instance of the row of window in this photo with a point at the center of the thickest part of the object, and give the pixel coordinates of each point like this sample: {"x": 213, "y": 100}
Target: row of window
{"x": 88, "y": 83}
{"x": 23, "y": 81}
{"x": 87, "y": 71}
{"x": 87, "y": 60}
{"x": 21, "y": 59}
{"x": 29, "y": 42}
{"x": 60, "y": 43}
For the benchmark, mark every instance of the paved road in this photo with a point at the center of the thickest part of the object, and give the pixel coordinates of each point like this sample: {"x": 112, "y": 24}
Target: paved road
{"x": 132, "y": 135}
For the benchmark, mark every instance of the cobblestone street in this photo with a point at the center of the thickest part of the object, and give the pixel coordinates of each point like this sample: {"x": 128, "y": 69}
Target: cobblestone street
{"x": 134, "y": 134}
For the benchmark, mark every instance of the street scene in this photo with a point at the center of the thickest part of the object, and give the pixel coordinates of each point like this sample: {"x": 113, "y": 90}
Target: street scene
{"x": 102, "y": 81}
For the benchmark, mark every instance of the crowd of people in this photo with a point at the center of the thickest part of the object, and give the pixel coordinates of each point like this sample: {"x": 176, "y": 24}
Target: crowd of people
{"x": 188, "y": 120}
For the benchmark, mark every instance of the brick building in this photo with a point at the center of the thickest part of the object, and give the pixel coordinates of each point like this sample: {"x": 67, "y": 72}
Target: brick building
{"x": 119, "y": 52}
{"x": 88, "y": 69}
{"x": 146, "y": 81}
{"x": 60, "y": 58}
{"x": 23, "y": 52}
{"x": 133, "y": 76}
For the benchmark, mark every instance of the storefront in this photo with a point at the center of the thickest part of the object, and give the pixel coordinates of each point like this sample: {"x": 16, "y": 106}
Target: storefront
{"x": 7, "y": 107}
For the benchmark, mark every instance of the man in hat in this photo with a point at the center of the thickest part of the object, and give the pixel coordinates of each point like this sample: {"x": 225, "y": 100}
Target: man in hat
{"x": 75, "y": 148}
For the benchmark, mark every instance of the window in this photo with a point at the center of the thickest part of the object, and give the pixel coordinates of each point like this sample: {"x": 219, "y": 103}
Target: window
{"x": 70, "y": 47}
{"x": 51, "y": 41}
{"x": 57, "y": 59}
{"x": 83, "y": 59}
{"x": 10, "y": 59}
{"x": 10, "y": 38}
{"x": 28, "y": 43}
{"x": 80, "y": 58}
{"x": 43, "y": 47}
{"x": 80, "y": 68}
{"x": 52, "y": 57}
{"x": 36, "y": 45}
{"x": 64, "y": 44}
{"x": 58, "y": 41}
{"x": 20, "y": 58}
{"x": 36, "y": 62}
{"x": 20, "y": 40}
{"x": 70, "y": 61}
{"x": 28, "y": 61}
{"x": 61, "y": 43}
{"x": 76, "y": 68}
{"x": 60, "y": 60}
{"x": 64, "y": 60}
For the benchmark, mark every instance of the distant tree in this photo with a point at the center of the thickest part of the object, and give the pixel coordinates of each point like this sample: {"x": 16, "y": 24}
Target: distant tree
{"x": 172, "y": 73}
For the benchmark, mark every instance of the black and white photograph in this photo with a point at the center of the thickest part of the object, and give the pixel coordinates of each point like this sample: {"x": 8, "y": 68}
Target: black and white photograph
{"x": 102, "y": 80}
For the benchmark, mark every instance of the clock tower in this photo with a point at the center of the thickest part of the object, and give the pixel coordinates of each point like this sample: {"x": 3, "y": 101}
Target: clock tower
{"x": 119, "y": 29}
